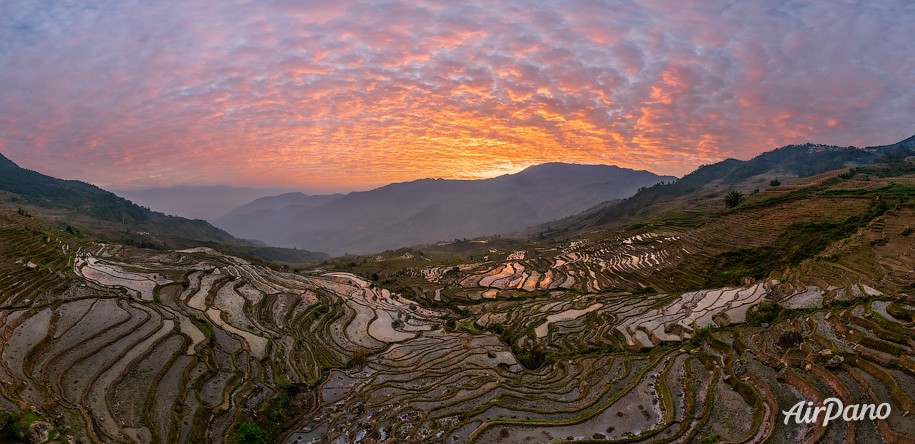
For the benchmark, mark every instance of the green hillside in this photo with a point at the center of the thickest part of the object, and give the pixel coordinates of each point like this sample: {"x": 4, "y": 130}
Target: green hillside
{"x": 85, "y": 208}
{"x": 787, "y": 164}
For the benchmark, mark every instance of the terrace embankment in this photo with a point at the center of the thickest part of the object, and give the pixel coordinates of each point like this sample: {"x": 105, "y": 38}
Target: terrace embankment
{"x": 125, "y": 345}
{"x": 673, "y": 329}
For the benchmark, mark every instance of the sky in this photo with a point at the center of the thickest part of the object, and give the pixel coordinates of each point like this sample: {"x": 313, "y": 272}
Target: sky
{"x": 343, "y": 95}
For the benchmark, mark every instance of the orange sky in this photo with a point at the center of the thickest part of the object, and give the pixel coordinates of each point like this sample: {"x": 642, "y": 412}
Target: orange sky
{"x": 358, "y": 94}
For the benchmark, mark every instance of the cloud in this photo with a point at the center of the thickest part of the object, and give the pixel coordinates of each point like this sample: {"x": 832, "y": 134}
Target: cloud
{"x": 344, "y": 94}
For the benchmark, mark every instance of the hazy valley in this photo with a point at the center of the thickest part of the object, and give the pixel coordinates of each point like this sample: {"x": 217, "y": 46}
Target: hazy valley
{"x": 201, "y": 202}
{"x": 431, "y": 210}
{"x": 691, "y": 311}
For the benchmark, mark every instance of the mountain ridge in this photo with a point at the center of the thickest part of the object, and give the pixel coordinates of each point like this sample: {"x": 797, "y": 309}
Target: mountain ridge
{"x": 388, "y": 217}
{"x": 788, "y": 162}
{"x": 208, "y": 202}
{"x": 812, "y": 278}
{"x": 87, "y": 208}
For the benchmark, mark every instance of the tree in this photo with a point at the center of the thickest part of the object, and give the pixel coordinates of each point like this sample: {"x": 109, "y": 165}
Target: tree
{"x": 775, "y": 183}
{"x": 733, "y": 198}
{"x": 251, "y": 433}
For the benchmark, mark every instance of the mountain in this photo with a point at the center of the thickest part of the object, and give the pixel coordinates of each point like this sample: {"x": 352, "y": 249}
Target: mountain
{"x": 86, "y": 208}
{"x": 673, "y": 316}
{"x": 196, "y": 202}
{"x": 785, "y": 164}
{"x": 809, "y": 279}
{"x": 279, "y": 202}
{"x": 429, "y": 210}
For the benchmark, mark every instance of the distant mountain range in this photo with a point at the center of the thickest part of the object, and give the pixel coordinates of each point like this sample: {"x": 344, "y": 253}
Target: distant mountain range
{"x": 197, "y": 202}
{"x": 813, "y": 271}
{"x": 92, "y": 210}
{"x": 430, "y": 210}
{"x": 569, "y": 197}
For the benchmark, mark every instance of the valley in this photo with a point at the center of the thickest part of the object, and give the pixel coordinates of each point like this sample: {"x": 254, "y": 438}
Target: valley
{"x": 433, "y": 222}
{"x": 685, "y": 322}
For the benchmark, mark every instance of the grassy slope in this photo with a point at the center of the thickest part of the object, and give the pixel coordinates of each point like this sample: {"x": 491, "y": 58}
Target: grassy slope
{"x": 776, "y": 228}
{"x": 102, "y": 214}
{"x": 787, "y": 164}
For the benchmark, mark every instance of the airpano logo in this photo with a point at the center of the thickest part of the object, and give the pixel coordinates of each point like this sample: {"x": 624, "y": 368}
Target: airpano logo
{"x": 833, "y": 409}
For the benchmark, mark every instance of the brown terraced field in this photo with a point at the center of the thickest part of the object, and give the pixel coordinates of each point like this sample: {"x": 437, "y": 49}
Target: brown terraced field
{"x": 651, "y": 332}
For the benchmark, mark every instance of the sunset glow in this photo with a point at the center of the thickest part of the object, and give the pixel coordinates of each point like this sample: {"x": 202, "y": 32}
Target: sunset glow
{"x": 349, "y": 95}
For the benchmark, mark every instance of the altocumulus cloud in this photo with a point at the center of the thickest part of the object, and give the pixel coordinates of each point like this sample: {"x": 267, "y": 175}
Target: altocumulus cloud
{"x": 331, "y": 94}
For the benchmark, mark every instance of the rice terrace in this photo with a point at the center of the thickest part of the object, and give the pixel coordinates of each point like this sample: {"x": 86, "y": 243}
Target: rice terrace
{"x": 652, "y": 331}
{"x": 480, "y": 222}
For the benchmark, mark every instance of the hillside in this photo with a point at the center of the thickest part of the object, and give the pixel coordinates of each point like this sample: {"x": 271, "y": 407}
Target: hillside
{"x": 697, "y": 323}
{"x": 786, "y": 165}
{"x": 88, "y": 209}
{"x": 196, "y": 202}
{"x": 429, "y": 210}
{"x": 800, "y": 292}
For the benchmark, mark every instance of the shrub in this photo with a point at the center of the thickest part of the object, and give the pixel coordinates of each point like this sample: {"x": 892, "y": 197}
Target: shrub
{"x": 15, "y": 426}
{"x": 8, "y": 428}
{"x": 282, "y": 382}
{"x": 851, "y": 173}
{"x": 250, "y": 433}
{"x": 789, "y": 339}
{"x": 775, "y": 183}
{"x": 534, "y": 357}
{"x": 733, "y": 198}
{"x": 699, "y": 336}
{"x": 763, "y": 313}
{"x": 205, "y": 326}
{"x": 508, "y": 335}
